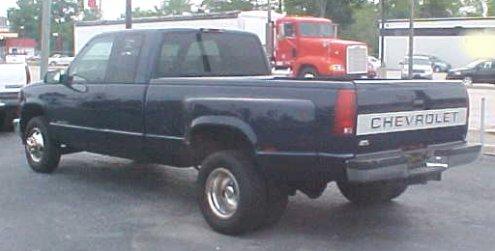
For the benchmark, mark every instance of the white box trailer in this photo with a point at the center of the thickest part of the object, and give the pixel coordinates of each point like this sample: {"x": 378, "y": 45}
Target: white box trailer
{"x": 250, "y": 21}
{"x": 455, "y": 40}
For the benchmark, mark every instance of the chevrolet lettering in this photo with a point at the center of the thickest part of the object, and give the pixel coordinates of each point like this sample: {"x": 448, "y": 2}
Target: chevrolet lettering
{"x": 413, "y": 120}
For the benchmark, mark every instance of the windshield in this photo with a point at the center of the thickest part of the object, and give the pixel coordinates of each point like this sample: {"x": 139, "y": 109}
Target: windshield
{"x": 317, "y": 29}
{"x": 475, "y": 63}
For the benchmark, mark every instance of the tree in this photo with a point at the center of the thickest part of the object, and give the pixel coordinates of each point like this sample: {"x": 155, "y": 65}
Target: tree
{"x": 491, "y": 8}
{"x": 25, "y": 19}
{"x": 227, "y": 5}
{"x": 138, "y": 12}
{"x": 175, "y": 7}
{"x": 364, "y": 26}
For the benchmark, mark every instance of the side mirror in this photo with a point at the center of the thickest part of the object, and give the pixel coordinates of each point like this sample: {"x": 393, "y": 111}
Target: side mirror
{"x": 55, "y": 77}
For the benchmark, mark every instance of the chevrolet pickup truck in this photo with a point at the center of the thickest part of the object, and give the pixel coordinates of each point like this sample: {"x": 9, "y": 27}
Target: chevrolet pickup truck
{"x": 205, "y": 99}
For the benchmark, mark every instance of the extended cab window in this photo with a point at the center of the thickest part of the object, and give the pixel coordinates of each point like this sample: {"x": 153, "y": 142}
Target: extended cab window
{"x": 91, "y": 65}
{"x": 125, "y": 55}
{"x": 191, "y": 54}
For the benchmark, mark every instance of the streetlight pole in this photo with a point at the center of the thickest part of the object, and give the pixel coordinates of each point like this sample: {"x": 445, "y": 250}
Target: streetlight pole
{"x": 411, "y": 40}
{"x": 45, "y": 37}
{"x": 269, "y": 31}
{"x": 382, "y": 33}
{"x": 128, "y": 14}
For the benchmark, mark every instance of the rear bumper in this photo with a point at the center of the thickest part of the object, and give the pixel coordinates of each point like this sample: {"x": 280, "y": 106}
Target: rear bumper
{"x": 424, "y": 163}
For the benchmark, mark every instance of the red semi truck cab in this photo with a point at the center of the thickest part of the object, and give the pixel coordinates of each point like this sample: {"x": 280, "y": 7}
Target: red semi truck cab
{"x": 310, "y": 48}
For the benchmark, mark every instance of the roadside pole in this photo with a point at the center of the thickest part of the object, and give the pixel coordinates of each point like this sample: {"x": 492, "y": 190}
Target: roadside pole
{"x": 45, "y": 37}
{"x": 269, "y": 32}
{"x": 411, "y": 40}
{"x": 128, "y": 14}
{"x": 382, "y": 34}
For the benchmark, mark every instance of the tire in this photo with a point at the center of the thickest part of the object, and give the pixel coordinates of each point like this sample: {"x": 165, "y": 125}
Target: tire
{"x": 468, "y": 81}
{"x": 437, "y": 69}
{"x": 42, "y": 153}
{"x": 240, "y": 202}
{"x": 372, "y": 193}
{"x": 308, "y": 73}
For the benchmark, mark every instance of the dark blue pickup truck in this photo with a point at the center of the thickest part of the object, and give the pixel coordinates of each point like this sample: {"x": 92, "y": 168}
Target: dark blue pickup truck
{"x": 205, "y": 99}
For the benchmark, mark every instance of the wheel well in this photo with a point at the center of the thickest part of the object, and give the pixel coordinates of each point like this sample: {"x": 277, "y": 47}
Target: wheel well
{"x": 28, "y": 112}
{"x": 207, "y": 139}
{"x": 302, "y": 67}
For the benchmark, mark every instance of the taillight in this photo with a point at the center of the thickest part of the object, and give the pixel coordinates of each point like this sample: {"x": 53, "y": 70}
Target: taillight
{"x": 345, "y": 113}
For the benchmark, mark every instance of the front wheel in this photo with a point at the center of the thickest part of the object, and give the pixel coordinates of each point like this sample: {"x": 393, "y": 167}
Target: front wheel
{"x": 468, "y": 81}
{"x": 42, "y": 153}
{"x": 308, "y": 73}
{"x": 370, "y": 193}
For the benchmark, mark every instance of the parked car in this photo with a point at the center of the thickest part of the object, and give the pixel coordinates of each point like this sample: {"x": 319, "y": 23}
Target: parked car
{"x": 375, "y": 63}
{"x": 59, "y": 59}
{"x": 191, "y": 98}
{"x": 13, "y": 77}
{"x": 438, "y": 64}
{"x": 478, "y": 71}
{"x": 422, "y": 68}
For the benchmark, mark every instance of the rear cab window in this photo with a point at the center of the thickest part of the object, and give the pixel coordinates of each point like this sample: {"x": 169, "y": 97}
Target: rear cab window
{"x": 197, "y": 54}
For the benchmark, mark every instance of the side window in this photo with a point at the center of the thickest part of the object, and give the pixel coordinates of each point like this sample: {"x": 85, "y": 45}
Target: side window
{"x": 126, "y": 56}
{"x": 486, "y": 65}
{"x": 91, "y": 65}
{"x": 289, "y": 30}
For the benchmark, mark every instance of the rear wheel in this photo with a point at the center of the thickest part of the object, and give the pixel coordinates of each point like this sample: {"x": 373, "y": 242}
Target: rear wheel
{"x": 308, "y": 73}
{"x": 371, "y": 193}
{"x": 42, "y": 153}
{"x": 234, "y": 197}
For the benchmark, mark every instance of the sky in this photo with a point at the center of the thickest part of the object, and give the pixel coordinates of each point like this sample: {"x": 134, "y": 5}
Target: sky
{"x": 112, "y": 9}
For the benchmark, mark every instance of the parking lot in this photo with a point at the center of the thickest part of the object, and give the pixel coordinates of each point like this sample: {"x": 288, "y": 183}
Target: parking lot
{"x": 100, "y": 203}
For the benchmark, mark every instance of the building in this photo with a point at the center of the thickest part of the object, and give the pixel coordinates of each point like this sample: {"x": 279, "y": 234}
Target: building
{"x": 455, "y": 40}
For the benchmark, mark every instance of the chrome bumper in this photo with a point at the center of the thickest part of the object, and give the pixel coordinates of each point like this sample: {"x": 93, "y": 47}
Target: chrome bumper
{"x": 17, "y": 126}
{"x": 398, "y": 164}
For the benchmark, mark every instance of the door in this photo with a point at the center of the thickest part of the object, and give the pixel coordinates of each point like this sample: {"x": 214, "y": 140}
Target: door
{"x": 74, "y": 106}
{"x": 484, "y": 72}
{"x": 286, "y": 49}
{"x": 122, "y": 105}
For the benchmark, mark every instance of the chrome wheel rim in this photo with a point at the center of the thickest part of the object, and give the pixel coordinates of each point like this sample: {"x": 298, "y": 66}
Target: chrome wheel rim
{"x": 309, "y": 75}
{"x": 222, "y": 191}
{"x": 468, "y": 81}
{"x": 35, "y": 145}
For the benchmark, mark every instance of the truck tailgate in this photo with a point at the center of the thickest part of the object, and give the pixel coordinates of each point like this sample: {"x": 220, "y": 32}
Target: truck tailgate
{"x": 409, "y": 114}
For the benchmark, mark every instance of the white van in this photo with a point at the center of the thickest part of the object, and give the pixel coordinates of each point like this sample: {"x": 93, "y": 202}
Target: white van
{"x": 13, "y": 77}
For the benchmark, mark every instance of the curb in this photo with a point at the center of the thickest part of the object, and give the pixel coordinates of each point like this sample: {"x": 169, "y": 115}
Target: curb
{"x": 489, "y": 149}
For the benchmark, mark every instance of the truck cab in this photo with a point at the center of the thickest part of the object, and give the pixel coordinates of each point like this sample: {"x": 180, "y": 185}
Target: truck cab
{"x": 310, "y": 48}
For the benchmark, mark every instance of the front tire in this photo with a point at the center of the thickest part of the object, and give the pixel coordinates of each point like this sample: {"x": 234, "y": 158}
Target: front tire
{"x": 234, "y": 196}
{"x": 468, "y": 81}
{"x": 42, "y": 153}
{"x": 372, "y": 193}
{"x": 308, "y": 73}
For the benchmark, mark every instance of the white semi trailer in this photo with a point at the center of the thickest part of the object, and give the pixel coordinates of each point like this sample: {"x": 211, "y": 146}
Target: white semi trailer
{"x": 250, "y": 21}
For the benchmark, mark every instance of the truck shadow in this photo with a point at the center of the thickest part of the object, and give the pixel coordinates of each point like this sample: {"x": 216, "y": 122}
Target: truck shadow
{"x": 172, "y": 192}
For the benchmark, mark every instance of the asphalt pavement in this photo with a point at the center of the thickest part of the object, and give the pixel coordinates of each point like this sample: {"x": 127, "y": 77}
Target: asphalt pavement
{"x": 95, "y": 202}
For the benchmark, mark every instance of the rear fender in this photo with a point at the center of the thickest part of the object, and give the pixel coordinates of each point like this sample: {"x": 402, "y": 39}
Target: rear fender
{"x": 223, "y": 121}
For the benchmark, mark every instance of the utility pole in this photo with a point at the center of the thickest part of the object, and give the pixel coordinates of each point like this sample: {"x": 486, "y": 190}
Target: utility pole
{"x": 411, "y": 40}
{"x": 45, "y": 37}
{"x": 382, "y": 33}
{"x": 269, "y": 31}
{"x": 128, "y": 14}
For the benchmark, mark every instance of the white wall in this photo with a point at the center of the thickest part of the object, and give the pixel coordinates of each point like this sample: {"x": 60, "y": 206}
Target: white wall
{"x": 82, "y": 34}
